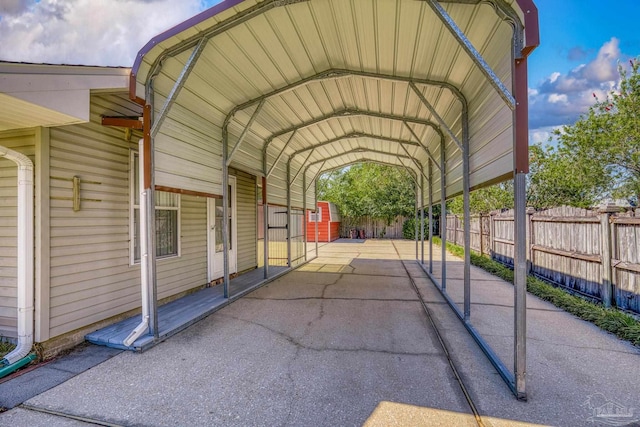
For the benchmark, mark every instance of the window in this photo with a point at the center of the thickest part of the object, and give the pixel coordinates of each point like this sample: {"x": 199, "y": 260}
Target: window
{"x": 167, "y": 218}
{"x": 312, "y": 216}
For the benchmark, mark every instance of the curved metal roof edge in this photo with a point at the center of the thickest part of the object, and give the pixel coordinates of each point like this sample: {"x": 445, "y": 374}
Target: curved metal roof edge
{"x": 531, "y": 26}
{"x": 194, "y": 20}
{"x": 528, "y": 7}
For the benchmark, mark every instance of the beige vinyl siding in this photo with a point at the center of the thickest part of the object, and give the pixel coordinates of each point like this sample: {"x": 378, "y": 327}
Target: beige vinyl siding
{"x": 188, "y": 151}
{"x": 91, "y": 279}
{"x": 180, "y": 274}
{"x": 91, "y": 275}
{"x": 23, "y": 142}
{"x": 246, "y": 220}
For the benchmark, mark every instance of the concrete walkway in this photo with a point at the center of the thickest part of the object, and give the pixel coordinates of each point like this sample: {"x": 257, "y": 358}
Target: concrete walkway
{"x": 345, "y": 341}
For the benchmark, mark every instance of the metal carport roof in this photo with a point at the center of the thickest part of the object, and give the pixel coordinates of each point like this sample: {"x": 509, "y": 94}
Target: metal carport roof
{"x": 284, "y": 88}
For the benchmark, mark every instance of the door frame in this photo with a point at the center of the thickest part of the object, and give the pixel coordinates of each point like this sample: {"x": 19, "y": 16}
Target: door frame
{"x": 233, "y": 253}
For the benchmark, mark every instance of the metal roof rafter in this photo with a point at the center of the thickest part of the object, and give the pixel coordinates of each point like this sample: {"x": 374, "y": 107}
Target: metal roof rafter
{"x": 473, "y": 53}
{"x": 316, "y": 175}
{"x": 211, "y": 32}
{"x": 178, "y": 85}
{"x": 300, "y": 169}
{"x": 417, "y": 163}
{"x": 411, "y": 172}
{"x": 435, "y": 114}
{"x": 358, "y": 149}
{"x": 342, "y": 73}
{"x": 275, "y": 163}
{"x": 350, "y": 112}
{"x": 244, "y": 132}
{"x": 423, "y": 146}
{"x": 355, "y": 135}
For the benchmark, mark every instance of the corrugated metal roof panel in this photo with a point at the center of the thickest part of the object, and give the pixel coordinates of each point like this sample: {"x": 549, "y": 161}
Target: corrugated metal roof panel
{"x": 282, "y": 43}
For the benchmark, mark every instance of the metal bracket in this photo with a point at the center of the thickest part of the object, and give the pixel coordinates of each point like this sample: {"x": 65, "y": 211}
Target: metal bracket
{"x": 177, "y": 87}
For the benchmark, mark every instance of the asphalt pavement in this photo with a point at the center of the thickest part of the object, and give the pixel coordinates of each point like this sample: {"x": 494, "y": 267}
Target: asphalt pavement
{"x": 345, "y": 340}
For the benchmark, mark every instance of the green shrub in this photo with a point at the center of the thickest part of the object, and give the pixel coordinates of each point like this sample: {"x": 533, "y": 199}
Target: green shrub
{"x": 5, "y": 347}
{"x": 409, "y": 229}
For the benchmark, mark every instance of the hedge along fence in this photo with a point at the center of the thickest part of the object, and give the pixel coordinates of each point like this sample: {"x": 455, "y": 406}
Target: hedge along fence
{"x": 593, "y": 253}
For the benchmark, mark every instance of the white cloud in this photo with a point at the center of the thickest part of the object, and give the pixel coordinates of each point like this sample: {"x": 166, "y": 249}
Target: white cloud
{"x": 562, "y": 98}
{"x": 557, "y": 97}
{"x": 605, "y": 66}
{"x": 92, "y": 32}
{"x": 12, "y": 7}
{"x": 542, "y": 135}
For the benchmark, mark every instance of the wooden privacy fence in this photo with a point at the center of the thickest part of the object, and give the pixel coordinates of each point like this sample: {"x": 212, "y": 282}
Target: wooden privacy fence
{"x": 373, "y": 228}
{"x": 593, "y": 253}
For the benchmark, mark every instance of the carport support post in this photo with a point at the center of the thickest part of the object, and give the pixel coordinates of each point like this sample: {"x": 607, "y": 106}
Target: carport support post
{"x": 316, "y": 197}
{"x": 415, "y": 219}
{"x": 289, "y": 214}
{"x": 467, "y": 229}
{"x": 265, "y": 228}
{"x": 443, "y": 215}
{"x": 149, "y": 262}
{"x": 520, "y": 281}
{"x": 521, "y": 167}
{"x": 422, "y": 218}
{"x": 225, "y": 214}
{"x": 430, "y": 173}
{"x": 304, "y": 212}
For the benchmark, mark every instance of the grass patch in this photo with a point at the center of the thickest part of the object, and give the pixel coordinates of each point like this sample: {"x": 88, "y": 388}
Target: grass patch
{"x": 5, "y": 347}
{"x": 621, "y": 324}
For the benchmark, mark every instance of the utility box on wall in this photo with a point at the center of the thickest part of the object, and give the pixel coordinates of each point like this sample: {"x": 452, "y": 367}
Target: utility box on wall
{"x": 328, "y": 223}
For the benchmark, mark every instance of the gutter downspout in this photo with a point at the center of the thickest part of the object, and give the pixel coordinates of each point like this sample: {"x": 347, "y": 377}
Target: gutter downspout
{"x": 143, "y": 327}
{"x": 25, "y": 255}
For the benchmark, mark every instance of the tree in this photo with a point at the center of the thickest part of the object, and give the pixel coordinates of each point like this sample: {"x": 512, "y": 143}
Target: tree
{"x": 484, "y": 200}
{"x": 369, "y": 189}
{"x": 607, "y": 139}
{"x": 558, "y": 178}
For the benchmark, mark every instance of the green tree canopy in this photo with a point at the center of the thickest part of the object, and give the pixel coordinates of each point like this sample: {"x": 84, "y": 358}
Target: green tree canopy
{"x": 558, "y": 178}
{"x": 369, "y": 189}
{"x": 606, "y": 141}
{"x": 485, "y": 200}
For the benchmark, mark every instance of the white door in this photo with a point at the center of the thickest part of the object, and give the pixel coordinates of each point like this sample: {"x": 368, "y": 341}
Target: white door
{"x": 214, "y": 238}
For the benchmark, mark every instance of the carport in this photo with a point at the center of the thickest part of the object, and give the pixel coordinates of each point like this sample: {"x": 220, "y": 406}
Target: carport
{"x": 288, "y": 89}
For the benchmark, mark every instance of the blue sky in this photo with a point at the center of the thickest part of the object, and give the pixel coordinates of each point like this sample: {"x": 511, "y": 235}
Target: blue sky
{"x": 582, "y": 42}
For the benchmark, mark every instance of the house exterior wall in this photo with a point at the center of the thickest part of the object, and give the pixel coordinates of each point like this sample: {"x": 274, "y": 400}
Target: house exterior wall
{"x": 246, "y": 220}
{"x": 91, "y": 276}
{"x": 23, "y": 142}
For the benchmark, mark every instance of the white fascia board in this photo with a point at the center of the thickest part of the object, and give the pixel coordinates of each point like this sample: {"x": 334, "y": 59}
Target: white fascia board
{"x": 57, "y": 95}
{"x": 73, "y": 103}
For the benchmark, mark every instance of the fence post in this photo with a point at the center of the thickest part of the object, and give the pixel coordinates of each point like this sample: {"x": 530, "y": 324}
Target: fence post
{"x": 481, "y": 228}
{"x": 530, "y": 239}
{"x": 606, "y": 253}
{"x": 492, "y": 233}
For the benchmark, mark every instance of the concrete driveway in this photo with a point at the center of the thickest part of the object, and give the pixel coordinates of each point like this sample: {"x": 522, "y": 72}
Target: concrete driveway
{"x": 343, "y": 341}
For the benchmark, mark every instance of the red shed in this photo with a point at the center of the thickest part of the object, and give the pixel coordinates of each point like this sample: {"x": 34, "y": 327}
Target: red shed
{"x": 328, "y": 223}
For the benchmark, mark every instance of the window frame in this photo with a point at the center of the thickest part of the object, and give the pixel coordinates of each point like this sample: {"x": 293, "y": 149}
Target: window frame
{"x": 312, "y": 215}
{"x": 134, "y": 155}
